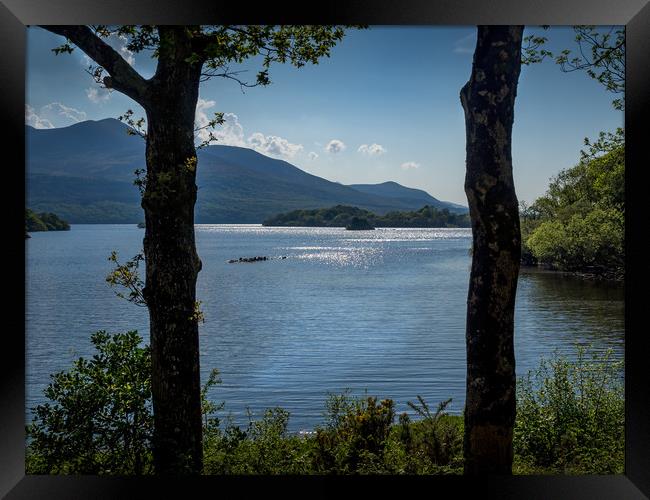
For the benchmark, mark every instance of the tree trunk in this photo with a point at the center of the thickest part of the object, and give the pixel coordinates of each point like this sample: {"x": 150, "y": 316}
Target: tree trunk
{"x": 172, "y": 264}
{"x": 488, "y": 100}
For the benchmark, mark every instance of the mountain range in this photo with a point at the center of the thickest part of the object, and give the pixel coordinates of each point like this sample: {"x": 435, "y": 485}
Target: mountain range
{"x": 84, "y": 173}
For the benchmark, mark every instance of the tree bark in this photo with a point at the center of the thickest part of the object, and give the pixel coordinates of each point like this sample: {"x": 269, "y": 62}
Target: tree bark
{"x": 488, "y": 100}
{"x": 172, "y": 264}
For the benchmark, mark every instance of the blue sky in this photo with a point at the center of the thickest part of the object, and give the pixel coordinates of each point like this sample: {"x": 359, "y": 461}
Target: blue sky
{"x": 393, "y": 90}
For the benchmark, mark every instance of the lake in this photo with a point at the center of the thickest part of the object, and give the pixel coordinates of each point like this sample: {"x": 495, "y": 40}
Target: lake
{"x": 379, "y": 311}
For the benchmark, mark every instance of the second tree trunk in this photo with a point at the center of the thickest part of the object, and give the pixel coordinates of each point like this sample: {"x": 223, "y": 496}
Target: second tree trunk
{"x": 488, "y": 100}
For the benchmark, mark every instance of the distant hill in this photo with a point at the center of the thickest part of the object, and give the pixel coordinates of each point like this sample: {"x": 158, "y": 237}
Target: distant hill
{"x": 394, "y": 190}
{"x": 84, "y": 173}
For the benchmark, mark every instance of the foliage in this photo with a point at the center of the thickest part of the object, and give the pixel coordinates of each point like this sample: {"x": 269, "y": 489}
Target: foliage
{"x": 600, "y": 53}
{"x": 219, "y": 46}
{"x": 440, "y": 440}
{"x": 570, "y": 416}
{"x": 361, "y": 437}
{"x": 579, "y": 223}
{"x": 343, "y": 216}
{"x": 216, "y": 48}
{"x": 127, "y": 276}
{"x": 355, "y": 435}
{"x": 570, "y": 419}
{"x": 594, "y": 241}
{"x": 44, "y": 221}
{"x": 99, "y": 419}
{"x": 264, "y": 447}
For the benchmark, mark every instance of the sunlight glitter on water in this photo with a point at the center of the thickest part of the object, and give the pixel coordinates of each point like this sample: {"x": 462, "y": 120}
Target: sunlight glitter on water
{"x": 378, "y": 235}
{"x": 382, "y": 311}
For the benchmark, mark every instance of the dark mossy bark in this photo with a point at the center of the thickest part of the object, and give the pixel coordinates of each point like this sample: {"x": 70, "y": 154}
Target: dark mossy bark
{"x": 172, "y": 264}
{"x": 488, "y": 100}
{"x": 171, "y": 258}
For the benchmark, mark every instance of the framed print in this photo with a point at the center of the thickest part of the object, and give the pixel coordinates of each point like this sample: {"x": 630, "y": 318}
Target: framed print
{"x": 328, "y": 242}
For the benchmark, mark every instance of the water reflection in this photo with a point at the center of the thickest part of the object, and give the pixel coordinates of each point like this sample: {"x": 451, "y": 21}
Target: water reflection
{"x": 556, "y": 311}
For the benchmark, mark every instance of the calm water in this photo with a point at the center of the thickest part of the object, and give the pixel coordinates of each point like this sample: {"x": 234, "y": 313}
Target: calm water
{"x": 382, "y": 311}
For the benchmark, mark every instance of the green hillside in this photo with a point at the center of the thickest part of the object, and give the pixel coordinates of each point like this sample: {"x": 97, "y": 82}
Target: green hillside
{"x": 85, "y": 173}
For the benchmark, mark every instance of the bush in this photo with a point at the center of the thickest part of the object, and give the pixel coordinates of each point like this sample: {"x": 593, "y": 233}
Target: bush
{"x": 360, "y": 437}
{"x": 99, "y": 421}
{"x": 570, "y": 419}
{"x": 570, "y": 416}
{"x": 354, "y": 436}
{"x": 263, "y": 448}
{"x": 435, "y": 443}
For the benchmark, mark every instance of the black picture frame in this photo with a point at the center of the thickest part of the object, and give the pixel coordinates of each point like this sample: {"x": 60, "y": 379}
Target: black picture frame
{"x": 15, "y": 15}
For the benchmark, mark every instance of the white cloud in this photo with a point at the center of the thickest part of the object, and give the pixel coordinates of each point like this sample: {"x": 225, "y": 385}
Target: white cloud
{"x": 273, "y": 145}
{"x": 58, "y": 110}
{"x": 335, "y": 146}
{"x": 53, "y": 115}
{"x": 372, "y": 150}
{"x": 98, "y": 94}
{"x": 312, "y": 155}
{"x": 409, "y": 165}
{"x": 231, "y": 133}
{"x": 31, "y": 118}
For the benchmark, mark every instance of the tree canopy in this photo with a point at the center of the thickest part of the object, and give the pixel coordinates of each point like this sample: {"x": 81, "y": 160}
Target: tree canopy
{"x": 579, "y": 223}
{"x": 600, "y": 53}
{"x": 215, "y": 48}
{"x": 186, "y": 57}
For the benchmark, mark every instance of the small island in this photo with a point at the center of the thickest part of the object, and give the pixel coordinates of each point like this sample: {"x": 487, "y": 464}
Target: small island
{"x": 355, "y": 218}
{"x": 359, "y": 224}
{"x": 43, "y": 221}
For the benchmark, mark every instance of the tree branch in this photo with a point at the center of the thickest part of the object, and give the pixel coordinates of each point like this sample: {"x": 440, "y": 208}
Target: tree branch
{"x": 123, "y": 77}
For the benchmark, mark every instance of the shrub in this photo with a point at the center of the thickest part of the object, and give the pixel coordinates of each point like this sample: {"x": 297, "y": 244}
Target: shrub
{"x": 570, "y": 416}
{"x": 570, "y": 419}
{"x": 436, "y": 441}
{"x": 99, "y": 420}
{"x": 354, "y": 436}
{"x": 360, "y": 437}
{"x": 264, "y": 447}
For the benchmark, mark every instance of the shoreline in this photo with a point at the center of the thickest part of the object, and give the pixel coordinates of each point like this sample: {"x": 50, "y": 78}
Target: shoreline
{"x": 584, "y": 275}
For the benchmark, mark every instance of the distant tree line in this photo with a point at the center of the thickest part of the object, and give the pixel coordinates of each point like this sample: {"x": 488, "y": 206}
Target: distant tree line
{"x": 579, "y": 223}
{"x": 44, "y": 221}
{"x": 342, "y": 216}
